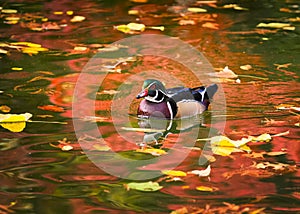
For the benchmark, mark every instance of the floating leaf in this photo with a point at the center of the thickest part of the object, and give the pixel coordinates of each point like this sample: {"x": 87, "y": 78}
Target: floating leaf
{"x": 152, "y": 151}
{"x": 139, "y": 1}
{"x": 261, "y": 138}
{"x": 144, "y": 186}
{"x": 16, "y": 69}
{"x": 52, "y": 108}
{"x": 226, "y": 73}
{"x": 234, "y": 6}
{"x": 5, "y": 108}
{"x": 246, "y": 67}
{"x": 67, "y": 148}
{"x": 131, "y": 28}
{"x": 77, "y": 19}
{"x": 275, "y": 153}
{"x": 2, "y": 51}
{"x": 8, "y": 11}
{"x": 58, "y": 13}
{"x": 284, "y": 26}
{"x": 201, "y": 173}
{"x": 174, "y": 173}
{"x": 14, "y": 122}
{"x": 187, "y": 22}
{"x": 206, "y": 189}
{"x": 133, "y": 12}
{"x": 211, "y": 25}
{"x": 196, "y": 10}
{"x": 70, "y": 12}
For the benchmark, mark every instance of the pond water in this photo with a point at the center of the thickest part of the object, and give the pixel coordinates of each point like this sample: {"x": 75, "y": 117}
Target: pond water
{"x": 58, "y": 165}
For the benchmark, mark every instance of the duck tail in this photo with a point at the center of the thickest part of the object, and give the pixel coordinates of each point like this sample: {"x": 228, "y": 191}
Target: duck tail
{"x": 211, "y": 90}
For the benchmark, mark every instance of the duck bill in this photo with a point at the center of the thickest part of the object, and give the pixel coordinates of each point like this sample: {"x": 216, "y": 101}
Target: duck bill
{"x": 144, "y": 93}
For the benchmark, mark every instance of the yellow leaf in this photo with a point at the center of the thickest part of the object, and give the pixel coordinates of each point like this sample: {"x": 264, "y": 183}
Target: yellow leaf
{"x": 77, "y": 19}
{"x": 131, "y": 27}
{"x": 80, "y": 48}
{"x": 223, "y": 151}
{"x": 29, "y": 44}
{"x": 14, "y": 122}
{"x": 277, "y": 25}
{"x": 8, "y": 11}
{"x": 174, "y": 173}
{"x": 69, "y": 12}
{"x": 206, "y": 188}
{"x": 196, "y": 10}
{"x": 154, "y": 152}
{"x": 133, "y": 12}
{"x": 58, "y": 12}
{"x": 16, "y": 69}
{"x": 2, "y": 51}
{"x": 261, "y": 138}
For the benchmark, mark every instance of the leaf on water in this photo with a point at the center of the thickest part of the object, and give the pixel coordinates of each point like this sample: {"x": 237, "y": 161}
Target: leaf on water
{"x": 275, "y": 153}
{"x": 211, "y": 25}
{"x": 109, "y": 92}
{"x": 77, "y": 19}
{"x": 246, "y": 67}
{"x": 70, "y": 12}
{"x": 5, "y": 108}
{"x": 139, "y": 1}
{"x": 133, "y": 12}
{"x": 9, "y": 11}
{"x": 234, "y": 6}
{"x": 206, "y": 189}
{"x": 276, "y": 167}
{"x": 67, "y": 148}
{"x": 287, "y": 107}
{"x": 131, "y": 28}
{"x": 2, "y": 51}
{"x": 16, "y": 69}
{"x": 187, "y": 22}
{"x": 261, "y": 138}
{"x": 182, "y": 210}
{"x": 226, "y": 73}
{"x": 177, "y": 173}
{"x": 196, "y": 10}
{"x": 144, "y": 186}
{"x": 14, "y": 122}
{"x": 278, "y": 25}
{"x": 52, "y": 108}
{"x": 152, "y": 151}
{"x": 201, "y": 173}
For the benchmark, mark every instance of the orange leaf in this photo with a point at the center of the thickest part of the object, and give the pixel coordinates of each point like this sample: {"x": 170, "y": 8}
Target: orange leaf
{"x": 52, "y": 108}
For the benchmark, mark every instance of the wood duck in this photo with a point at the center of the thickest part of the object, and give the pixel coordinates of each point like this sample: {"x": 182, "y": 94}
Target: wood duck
{"x": 172, "y": 103}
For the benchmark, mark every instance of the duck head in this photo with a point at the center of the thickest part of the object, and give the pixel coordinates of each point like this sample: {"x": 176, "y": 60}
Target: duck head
{"x": 153, "y": 91}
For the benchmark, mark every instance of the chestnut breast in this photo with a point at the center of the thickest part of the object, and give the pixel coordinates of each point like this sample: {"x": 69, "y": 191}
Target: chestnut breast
{"x": 152, "y": 109}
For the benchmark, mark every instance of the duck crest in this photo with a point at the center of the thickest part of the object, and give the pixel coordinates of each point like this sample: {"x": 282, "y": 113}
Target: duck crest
{"x": 175, "y": 102}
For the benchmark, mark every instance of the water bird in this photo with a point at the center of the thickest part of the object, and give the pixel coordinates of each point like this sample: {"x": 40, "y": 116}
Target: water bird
{"x": 179, "y": 102}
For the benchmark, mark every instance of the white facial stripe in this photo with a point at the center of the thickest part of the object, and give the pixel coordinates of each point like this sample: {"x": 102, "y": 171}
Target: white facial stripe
{"x": 152, "y": 99}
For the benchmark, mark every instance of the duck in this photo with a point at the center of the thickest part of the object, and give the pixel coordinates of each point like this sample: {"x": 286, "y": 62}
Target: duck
{"x": 178, "y": 102}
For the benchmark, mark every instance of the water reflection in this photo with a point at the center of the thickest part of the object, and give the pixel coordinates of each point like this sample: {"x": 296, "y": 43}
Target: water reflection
{"x": 40, "y": 178}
